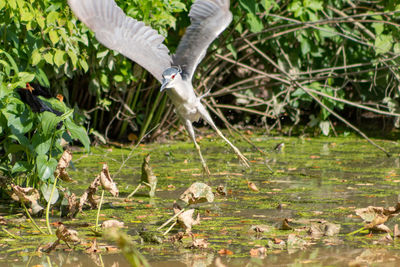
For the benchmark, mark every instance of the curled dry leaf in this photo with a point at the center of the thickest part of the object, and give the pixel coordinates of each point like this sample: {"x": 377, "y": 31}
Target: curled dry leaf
{"x": 258, "y": 252}
{"x": 186, "y": 220}
{"x": 199, "y": 243}
{"x": 285, "y": 225}
{"x": 107, "y": 182}
{"x": 252, "y": 186}
{"x": 375, "y": 217}
{"x": 318, "y": 230}
{"x": 176, "y": 237}
{"x": 148, "y": 176}
{"x": 197, "y": 193}
{"x": 93, "y": 248}
{"x": 112, "y": 223}
{"x": 27, "y": 195}
{"x": 66, "y": 235}
{"x": 73, "y": 205}
{"x": 63, "y": 163}
{"x": 89, "y": 194}
{"x": 260, "y": 228}
{"x": 221, "y": 190}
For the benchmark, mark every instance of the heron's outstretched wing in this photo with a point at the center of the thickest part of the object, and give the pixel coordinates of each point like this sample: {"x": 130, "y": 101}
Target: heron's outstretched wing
{"x": 208, "y": 19}
{"x": 124, "y": 34}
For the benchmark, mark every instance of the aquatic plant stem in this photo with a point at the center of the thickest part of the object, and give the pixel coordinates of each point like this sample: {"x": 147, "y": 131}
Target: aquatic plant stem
{"x": 134, "y": 191}
{"x": 48, "y": 206}
{"x": 173, "y": 217}
{"x": 98, "y": 210}
{"x": 10, "y": 234}
{"x": 32, "y": 220}
{"x": 169, "y": 229}
{"x": 356, "y": 231}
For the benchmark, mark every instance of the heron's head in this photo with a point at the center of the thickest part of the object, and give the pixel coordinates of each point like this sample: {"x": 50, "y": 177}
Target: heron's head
{"x": 170, "y": 76}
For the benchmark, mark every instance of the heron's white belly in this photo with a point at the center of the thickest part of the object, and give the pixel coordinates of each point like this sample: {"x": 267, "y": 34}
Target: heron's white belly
{"x": 187, "y": 111}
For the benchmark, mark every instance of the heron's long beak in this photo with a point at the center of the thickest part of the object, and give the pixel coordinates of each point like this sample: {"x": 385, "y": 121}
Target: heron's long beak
{"x": 164, "y": 84}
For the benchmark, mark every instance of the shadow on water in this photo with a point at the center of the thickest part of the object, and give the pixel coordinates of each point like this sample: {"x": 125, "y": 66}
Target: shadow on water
{"x": 320, "y": 179}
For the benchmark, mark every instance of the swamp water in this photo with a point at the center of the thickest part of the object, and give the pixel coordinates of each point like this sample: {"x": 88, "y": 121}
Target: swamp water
{"x": 315, "y": 181}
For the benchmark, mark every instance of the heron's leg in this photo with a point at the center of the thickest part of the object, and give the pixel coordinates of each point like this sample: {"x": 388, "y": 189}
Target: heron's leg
{"x": 206, "y": 116}
{"x": 189, "y": 128}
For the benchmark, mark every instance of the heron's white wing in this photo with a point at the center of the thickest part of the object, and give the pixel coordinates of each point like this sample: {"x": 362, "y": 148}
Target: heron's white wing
{"x": 124, "y": 34}
{"x": 208, "y": 19}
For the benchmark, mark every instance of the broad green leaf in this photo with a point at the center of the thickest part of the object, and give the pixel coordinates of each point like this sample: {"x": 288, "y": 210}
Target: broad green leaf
{"x": 54, "y": 36}
{"x": 383, "y": 43}
{"x": 78, "y": 132}
{"x": 20, "y": 166}
{"x": 254, "y": 22}
{"x": 46, "y": 192}
{"x": 26, "y": 77}
{"x": 45, "y": 167}
{"x": 41, "y": 143}
{"x": 59, "y": 57}
{"x": 49, "y": 122}
{"x": 36, "y": 57}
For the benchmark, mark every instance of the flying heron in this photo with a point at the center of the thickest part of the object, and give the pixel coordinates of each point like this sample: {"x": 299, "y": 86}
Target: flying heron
{"x": 144, "y": 45}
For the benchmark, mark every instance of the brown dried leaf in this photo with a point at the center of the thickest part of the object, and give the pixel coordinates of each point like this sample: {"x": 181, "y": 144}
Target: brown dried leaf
{"x": 225, "y": 251}
{"x": 221, "y": 190}
{"x": 185, "y": 219}
{"x": 148, "y": 176}
{"x": 318, "y": 230}
{"x": 27, "y": 195}
{"x": 66, "y": 235}
{"x": 107, "y": 182}
{"x": 63, "y": 163}
{"x": 93, "y": 248}
{"x": 88, "y": 195}
{"x": 252, "y": 186}
{"x": 176, "y": 237}
{"x": 199, "y": 243}
{"x": 285, "y": 225}
{"x": 197, "y": 193}
{"x": 396, "y": 232}
{"x": 73, "y": 205}
{"x": 112, "y": 223}
{"x": 258, "y": 252}
{"x": 260, "y": 228}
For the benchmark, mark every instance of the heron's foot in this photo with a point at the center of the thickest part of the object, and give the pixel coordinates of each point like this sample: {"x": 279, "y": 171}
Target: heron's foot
{"x": 242, "y": 158}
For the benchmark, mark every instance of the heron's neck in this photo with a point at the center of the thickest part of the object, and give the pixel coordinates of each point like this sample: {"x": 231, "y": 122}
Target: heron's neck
{"x": 182, "y": 92}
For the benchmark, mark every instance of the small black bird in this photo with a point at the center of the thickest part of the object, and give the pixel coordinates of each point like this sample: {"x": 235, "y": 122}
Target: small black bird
{"x": 30, "y": 95}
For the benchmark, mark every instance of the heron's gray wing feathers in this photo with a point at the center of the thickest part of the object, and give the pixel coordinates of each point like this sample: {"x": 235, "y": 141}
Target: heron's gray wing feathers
{"x": 124, "y": 34}
{"x": 208, "y": 19}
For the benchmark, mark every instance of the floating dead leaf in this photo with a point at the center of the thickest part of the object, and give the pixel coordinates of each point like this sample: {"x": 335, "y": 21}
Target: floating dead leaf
{"x": 258, "y": 252}
{"x": 148, "y": 177}
{"x": 186, "y": 220}
{"x": 375, "y": 217}
{"x": 112, "y": 223}
{"x": 89, "y": 194}
{"x": 66, "y": 235}
{"x": 197, "y": 193}
{"x": 107, "y": 182}
{"x": 260, "y": 228}
{"x": 294, "y": 241}
{"x": 93, "y": 248}
{"x": 221, "y": 190}
{"x": 73, "y": 205}
{"x": 199, "y": 243}
{"x": 176, "y": 237}
{"x": 384, "y": 239}
{"x": 252, "y": 186}
{"x": 225, "y": 251}
{"x": 318, "y": 230}
{"x": 285, "y": 225}
{"x": 63, "y": 163}
{"x": 27, "y": 195}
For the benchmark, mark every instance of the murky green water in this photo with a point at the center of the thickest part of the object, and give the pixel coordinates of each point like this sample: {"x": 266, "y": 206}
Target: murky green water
{"x": 318, "y": 179}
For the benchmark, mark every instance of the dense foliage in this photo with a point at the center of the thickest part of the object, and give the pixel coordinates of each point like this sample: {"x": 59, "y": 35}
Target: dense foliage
{"x": 304, "y": 60}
